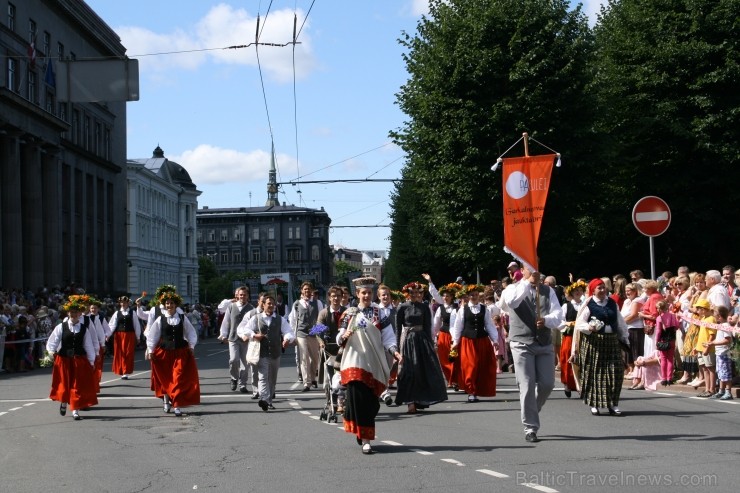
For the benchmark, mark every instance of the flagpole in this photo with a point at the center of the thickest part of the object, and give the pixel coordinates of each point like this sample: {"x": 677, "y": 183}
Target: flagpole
{"x": 525, "y": 136}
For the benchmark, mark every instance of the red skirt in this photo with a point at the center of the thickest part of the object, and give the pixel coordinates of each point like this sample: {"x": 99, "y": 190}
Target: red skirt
{"x": 477, "y": 367}
{"x": 566, "y": 370}
{"x": 73, "y": 382}
{"x": 99, "y": 369}
{"x": 450, "y": 369}
{"x": 123, "y": 353}
{"x": 177, "y": 374}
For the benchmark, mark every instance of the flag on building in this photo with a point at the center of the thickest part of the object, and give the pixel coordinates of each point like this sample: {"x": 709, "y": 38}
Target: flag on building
{"x": 525, "y": 188}
{"x": 49, "y": 77}
{"x": 32, "y": 54}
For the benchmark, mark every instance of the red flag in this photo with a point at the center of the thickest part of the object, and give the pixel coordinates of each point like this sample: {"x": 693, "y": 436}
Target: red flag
{"x": 526, "y": 183}
{"x": 32, "y": 54}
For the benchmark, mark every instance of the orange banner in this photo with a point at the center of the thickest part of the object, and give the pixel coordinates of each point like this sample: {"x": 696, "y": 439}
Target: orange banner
{"x": 526, "y": 183}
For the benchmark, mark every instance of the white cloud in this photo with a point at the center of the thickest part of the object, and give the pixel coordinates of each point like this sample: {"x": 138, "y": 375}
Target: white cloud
{"x": 419, "y": 7}
{"x": 225, "y": 26}
{"x": 208, "y": 164}
{"x": 591, "y": 8}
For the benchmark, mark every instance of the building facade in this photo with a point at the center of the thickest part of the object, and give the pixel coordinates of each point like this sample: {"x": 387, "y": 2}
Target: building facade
{"x": 62, "y": 165}
{"x": 161, "y": 223}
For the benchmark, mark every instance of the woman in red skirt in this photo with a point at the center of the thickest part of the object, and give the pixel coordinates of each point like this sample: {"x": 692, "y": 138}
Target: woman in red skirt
{"x": 574, "y": 292}
{"x": 444, "y": 319}
{"x": 171, "y": 341}
{"x": 73, "y": 377}
{"x": 472, "y": 336}
{"x": 126, "y": 332}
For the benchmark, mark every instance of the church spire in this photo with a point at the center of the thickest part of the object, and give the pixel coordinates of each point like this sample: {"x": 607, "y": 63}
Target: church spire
{"x": 272, "y": 189}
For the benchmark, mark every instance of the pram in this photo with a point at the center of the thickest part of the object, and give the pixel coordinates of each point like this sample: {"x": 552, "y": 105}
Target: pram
{"x": 331, "y": 379}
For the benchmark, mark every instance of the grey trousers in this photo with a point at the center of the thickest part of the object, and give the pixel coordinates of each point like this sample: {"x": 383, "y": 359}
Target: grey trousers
{"x": 534, "y": 367}
{"x": 239, "y": 369}
{"x": 267, "y": 369}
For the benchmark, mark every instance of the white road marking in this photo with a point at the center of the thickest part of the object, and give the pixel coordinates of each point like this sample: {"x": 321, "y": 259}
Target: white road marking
{"x": 29, "y": 404}
{"x": 538, "y": 487}
{"x": 492, "y": 473}
{"x": 422, "y": 452}
{"x": 314, "y": 417}
{"x": 395, "y": 444}
{"x": 453, "y": 461}
{"x": 15, "y": 408}
{"x": 305, "y": 412}
{"x": 664, "y": 393}
{"x": 3, "y": 412}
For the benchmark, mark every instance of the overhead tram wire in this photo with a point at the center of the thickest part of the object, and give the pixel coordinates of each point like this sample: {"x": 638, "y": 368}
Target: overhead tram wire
{"x": 295, "y": 107}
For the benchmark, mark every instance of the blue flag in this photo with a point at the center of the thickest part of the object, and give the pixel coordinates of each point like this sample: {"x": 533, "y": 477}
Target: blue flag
{"x": 50, "y": 78}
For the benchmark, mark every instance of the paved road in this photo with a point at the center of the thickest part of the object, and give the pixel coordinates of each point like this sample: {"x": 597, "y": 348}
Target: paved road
{"x": 670, "y": 441}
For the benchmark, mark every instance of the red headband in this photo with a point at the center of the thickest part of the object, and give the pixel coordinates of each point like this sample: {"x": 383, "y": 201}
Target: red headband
{"x": 593, "y": 284}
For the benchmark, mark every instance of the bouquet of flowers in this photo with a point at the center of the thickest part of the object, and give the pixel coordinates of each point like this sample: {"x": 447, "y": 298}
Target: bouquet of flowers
{"x": 453, "y": 354}
{"x": 595, "y": 324}
{"x": 47, "y": 361}
{"x": 320, "y": 330}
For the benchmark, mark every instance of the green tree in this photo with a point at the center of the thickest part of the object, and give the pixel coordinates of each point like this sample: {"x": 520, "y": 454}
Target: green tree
{"x": 480, "y": 73}
{"x": 666, "y": 75}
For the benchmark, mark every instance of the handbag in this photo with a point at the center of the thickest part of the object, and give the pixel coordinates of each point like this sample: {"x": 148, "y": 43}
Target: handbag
{"x": 253, "y": 352}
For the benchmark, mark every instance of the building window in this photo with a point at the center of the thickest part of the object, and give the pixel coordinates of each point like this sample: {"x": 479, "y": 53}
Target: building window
{"x": 237, "y": 256}
{"x": 106, "y": 143}
{"x": 270, "y": 254}
{"x": 199, "y": 236}
{"x": 11, "y": 16}
{"x": 13, "y": 75}
{"x": 98, "y": 138}
{"x": 315, "y": 252}
{"x": 60, "y": 51}
{"x": 224, "y": 235}
{"x": 31, "y": 31}
{"x": 224, "y": 257}
{"x": 47, "y": 44}
{"x": 72, "y": 56}
{"x": 86, "y": 139}
{"x": 32, "y": 95}
{"x": 316, "y": 233}
{"x": 76, "y": 127}
{"x": 297, "y": 232}
{"x": 237, "y": 234}
{"x": 290, "y": 233}
{"x": 63, "y": 112}
{"x": 211, "y": 235}
{"x": 255, "y": 256}
{"x": 255, "y": 233}
{"x": 294, "y": 255}
{"x": 270, "y": 233}
{"x": 50, "y": 102}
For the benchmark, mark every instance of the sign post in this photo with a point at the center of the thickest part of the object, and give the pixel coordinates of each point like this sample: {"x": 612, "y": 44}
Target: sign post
{"x": 651, "y": 216}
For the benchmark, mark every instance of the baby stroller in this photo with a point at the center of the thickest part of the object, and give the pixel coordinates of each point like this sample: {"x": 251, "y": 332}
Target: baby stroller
{"x": 330, "y": 370}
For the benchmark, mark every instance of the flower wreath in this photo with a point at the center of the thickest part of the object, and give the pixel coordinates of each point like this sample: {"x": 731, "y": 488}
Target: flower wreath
{"x": 578, "y": 284}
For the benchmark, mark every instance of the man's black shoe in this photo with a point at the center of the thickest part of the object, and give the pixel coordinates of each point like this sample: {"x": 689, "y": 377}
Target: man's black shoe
{"x": 233, "y": 384}
{"x": 531, "y": 437}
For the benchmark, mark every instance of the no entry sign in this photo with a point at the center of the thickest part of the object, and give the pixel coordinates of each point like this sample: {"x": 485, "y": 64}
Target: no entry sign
{"x": 651, "y": 216}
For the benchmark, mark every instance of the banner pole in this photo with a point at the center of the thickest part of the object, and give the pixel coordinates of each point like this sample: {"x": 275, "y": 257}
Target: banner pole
{"x": 525, "y": 136}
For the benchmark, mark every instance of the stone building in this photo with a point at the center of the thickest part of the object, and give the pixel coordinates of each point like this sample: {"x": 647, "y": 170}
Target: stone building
{"x": 162, "y": 205}
{"x": 62, "y": 165}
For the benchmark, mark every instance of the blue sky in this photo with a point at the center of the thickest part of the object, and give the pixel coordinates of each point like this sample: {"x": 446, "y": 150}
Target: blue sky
{"x": 207, "y": 110}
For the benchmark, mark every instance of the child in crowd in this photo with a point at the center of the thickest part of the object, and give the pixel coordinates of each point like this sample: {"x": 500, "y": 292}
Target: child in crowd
{"x": 666, "y": 325}
{"x": 721, "y": 344}
{"x": 705, "y": 352}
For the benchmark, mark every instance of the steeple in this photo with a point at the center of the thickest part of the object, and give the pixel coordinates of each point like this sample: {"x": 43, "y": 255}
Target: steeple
{"x": 272, "y": 188}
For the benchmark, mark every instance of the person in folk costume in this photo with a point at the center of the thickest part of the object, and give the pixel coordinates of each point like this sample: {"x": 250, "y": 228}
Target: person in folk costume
{"x": 171, "y": 343}
{"x": 126, "y": 331}
{"x": 574, "y": 292}
{"x": 599, "y": 329}
{"x": 494, "y": 312}
{"x": 274, "y": 333}
{"x": 387, "y": 312}
{"x": 330, "y": 318}
{"x": 303, "y": 317}
{"x": 73, "y": 377}
{"x": 472, "y": 336}
{"x": 252, "y": 373}
{"x": 534, "y": 310}
{"x": 444, "y": 320}
{"x": 154, "y": 311}
{"x": 420, "y": 379}
{"x": 102, "y": 330}
{"x": 364, "y": 368}
{"x": 236, "y": 312}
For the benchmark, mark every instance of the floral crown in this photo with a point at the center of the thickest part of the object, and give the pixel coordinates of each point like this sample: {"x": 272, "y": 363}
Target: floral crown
{"x": 397, "y": 295}
{"x": 413, "y": 286}
{"x": 171, "y": 296}
{"x": 164, "y": 288}
{"x": 474, "y": 287}
{"x": 74, "y": 303}
{"x": 576, "y": 285}
{"x": 452, "y": 288}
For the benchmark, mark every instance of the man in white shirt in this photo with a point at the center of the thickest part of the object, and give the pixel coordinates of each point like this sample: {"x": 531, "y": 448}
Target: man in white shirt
{"x": 233, "y": 315}
{"x": 718, "y": 295}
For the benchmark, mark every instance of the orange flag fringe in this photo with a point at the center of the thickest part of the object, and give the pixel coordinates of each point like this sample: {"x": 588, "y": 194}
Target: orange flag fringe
{"x": 526, "y": 182}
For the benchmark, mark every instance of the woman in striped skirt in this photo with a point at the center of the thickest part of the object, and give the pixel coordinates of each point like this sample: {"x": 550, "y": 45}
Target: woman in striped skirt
{"x": 599, "y": 354}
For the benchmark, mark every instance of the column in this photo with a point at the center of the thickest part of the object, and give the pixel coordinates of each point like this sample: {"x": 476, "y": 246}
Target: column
{"x": 51, "y": 185}
{"x": 31, "y": 214}
{"x": 10, "y": 212}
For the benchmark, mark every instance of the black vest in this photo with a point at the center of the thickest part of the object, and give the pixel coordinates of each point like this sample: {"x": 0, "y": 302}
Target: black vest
{"x": 446, "y": 318}
{"x": 607, "y": 314}
{"x": 570, "y": 313}
{"x": 474, "y": 326}
{"x": 272, "y": 346}
{"x": 125, "y": 323}
{"x": 73, "y": 344}
{"x": 171, "y": 336}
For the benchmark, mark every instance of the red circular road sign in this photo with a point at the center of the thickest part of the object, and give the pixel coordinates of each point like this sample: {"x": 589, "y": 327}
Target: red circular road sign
{"x": 651, "y": 216}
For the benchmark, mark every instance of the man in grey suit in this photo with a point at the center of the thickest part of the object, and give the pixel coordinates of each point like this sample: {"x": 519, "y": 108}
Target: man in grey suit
{"x": 533, "y": 310}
